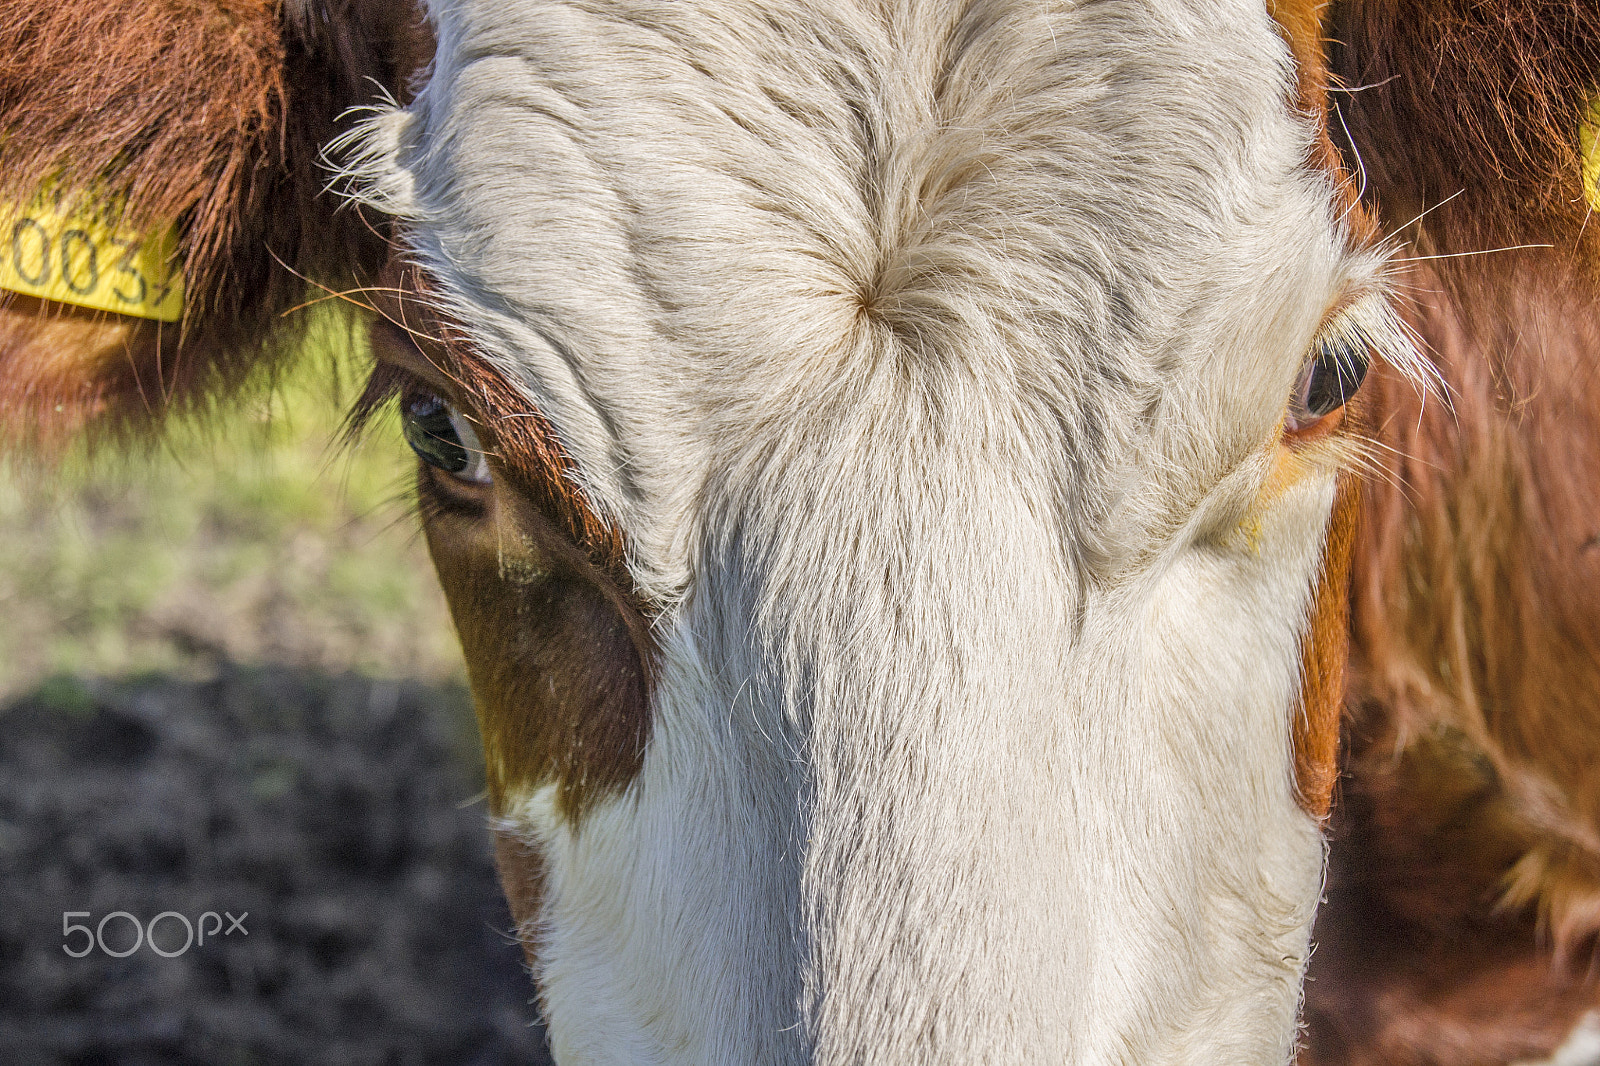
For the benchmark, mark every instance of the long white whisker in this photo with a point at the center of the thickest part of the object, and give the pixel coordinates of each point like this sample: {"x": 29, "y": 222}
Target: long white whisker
{"x": 1362, "y": 88}
{"x": 1460, "y": 255}
{"x": 1361, "y": 168}
{"x": 1431, "y": 210}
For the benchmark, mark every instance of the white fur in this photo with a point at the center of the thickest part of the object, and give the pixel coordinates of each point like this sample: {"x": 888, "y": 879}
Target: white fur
{"x": 931, "y": 356}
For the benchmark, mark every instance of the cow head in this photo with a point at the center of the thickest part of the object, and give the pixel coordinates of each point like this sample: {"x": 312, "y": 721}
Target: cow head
{"x": 885, "y": 462}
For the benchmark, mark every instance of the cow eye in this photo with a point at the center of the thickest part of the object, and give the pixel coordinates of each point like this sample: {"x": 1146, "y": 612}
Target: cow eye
{"x": 442, "y": 437}
{"x": 1339, "y": 363}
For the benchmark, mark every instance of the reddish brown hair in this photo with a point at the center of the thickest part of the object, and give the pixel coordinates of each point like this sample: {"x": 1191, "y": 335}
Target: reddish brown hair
{"x": 1464, "y": 895}
{"x": 210, "y": 113}
{"x": 1472, "y": 102}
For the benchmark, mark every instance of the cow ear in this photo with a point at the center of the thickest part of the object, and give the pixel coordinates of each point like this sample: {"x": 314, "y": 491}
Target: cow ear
{"x": 163, "y": 200}
{"x": 1471, "y": 114}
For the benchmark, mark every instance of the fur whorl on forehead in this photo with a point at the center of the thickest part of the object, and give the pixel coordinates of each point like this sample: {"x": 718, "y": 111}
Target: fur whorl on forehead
{"x": 213, "y": 114}
{"x": 1480, "y": 99}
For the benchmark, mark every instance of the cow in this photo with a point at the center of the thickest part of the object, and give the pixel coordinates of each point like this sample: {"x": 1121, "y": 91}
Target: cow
{"x": 966, "y": 518}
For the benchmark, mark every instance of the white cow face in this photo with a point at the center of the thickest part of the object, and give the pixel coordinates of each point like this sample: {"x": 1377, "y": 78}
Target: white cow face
{"x": 881, "y": 458}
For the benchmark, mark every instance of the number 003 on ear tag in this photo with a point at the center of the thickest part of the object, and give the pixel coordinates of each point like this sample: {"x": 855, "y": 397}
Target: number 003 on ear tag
{"x": 78, "y": 252}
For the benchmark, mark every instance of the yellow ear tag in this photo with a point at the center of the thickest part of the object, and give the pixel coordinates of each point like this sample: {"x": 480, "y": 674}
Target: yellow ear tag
{"x": 78, "y": 252}
{"x": 1589, "y": 145}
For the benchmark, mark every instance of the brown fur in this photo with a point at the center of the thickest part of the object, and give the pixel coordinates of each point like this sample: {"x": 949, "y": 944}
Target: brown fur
{"x": 1464, "y": 894}
{"x": 1470, "y": 97}
{"x": 1464, "y": 986}
{"x": 1325, "y": 648}
{"x": 1300, "y": 25}
{"x": 69, "y": 366}
{"x": 1300, "y": 22}
{"x": 209, "y": 112}
{"x": 1478, "y": 611}
{"x": 556, "y": 638}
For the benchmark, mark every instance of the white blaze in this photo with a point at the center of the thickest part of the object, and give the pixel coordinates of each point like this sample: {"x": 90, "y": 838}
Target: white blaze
{"x": 930, "y": 356}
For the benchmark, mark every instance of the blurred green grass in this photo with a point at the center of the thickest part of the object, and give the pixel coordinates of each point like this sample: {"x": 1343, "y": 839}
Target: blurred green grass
{"x": 256, "y": 537}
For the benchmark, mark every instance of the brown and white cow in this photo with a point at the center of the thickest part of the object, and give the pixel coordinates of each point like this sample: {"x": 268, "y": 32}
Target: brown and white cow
{"x": 890, "y": 467}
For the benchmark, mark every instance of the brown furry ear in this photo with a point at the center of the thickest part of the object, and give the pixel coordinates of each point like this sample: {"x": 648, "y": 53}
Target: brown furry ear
{"x": 1474, "y": 102}
{"x": 207, "y": 115}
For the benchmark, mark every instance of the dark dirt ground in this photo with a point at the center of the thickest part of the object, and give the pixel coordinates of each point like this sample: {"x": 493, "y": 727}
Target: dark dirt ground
{"x": 334, "y": 809}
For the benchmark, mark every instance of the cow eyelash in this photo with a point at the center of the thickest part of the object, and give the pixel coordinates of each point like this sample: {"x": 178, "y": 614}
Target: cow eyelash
{"x": 1361, "y": 332}
{"x": 385, "y": 383}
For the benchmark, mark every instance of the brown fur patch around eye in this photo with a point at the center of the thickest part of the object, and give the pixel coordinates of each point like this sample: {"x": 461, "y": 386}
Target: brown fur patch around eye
{"x": 1464, "y": 886}
{"x": 1325, "y": 644}
{"x": 212, "y": 114}
{"x": 556, "y": 636}
{"x": 558, "y": 658}
{"x": 523, "y": 440}
{"x": 1324, "y": 649}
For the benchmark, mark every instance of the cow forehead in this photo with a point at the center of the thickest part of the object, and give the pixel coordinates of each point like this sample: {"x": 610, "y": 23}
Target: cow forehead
{"x": 1036, "y": 218}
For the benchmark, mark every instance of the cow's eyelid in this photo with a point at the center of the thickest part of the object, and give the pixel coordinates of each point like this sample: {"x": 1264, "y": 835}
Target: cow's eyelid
{"x": 398, "y": 353}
